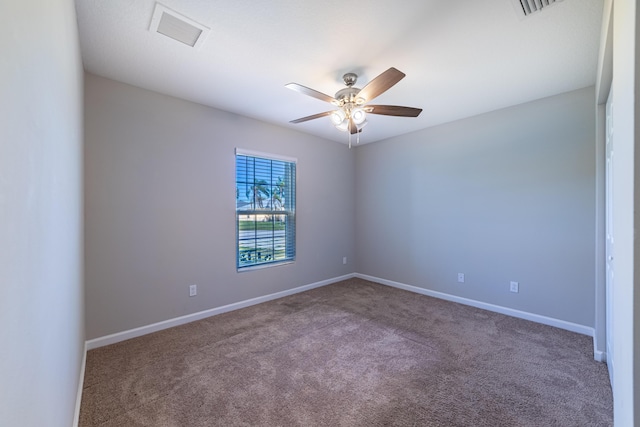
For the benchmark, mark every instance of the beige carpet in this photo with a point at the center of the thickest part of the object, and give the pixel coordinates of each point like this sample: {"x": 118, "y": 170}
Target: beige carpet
{"x": 350, "y": 354}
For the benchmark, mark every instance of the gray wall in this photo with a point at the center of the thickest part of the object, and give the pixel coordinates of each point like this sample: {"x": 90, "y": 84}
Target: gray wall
{"x": 507, "y": 195}
{"x": 160, "y": 207}
{"x": 504, "y": 196}
{"x": 41, "y": 296}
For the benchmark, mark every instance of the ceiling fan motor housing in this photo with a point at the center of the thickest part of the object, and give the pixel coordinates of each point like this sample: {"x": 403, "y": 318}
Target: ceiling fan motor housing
{"x": 348, "y": 95}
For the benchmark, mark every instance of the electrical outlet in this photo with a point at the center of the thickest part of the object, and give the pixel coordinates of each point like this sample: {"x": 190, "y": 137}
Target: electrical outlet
{"x": 344, "y": 260}
{"x": 193, "y": 290}
{"x": 514, "y": 287}
{"x": 460, "y": 277}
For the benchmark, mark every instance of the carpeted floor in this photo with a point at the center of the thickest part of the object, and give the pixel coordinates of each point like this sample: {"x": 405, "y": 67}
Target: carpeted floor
{"x": 354, "y": 353}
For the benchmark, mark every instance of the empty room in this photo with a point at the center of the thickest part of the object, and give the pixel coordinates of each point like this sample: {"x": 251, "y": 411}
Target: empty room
{"x": 297, "y": 213}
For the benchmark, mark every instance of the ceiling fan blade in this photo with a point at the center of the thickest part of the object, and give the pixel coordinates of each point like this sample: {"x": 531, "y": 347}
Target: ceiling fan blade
{"x": 353, "y": 128}
{"x": 311, "y": 92}
{"x": 393, "y": 110}
{"x": 315, "y": 116}
{"x": 381, "y": 84}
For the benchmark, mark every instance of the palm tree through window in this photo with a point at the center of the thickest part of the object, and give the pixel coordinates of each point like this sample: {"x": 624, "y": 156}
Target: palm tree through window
{"x": 265, "y": 209}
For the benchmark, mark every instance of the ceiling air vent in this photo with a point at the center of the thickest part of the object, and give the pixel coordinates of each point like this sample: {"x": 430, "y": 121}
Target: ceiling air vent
{"x": 178, "y": 27}
{"x": 525, "y": 8}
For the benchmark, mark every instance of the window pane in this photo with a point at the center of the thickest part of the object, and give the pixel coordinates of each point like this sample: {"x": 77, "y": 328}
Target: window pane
{"x": 265, "y": 211}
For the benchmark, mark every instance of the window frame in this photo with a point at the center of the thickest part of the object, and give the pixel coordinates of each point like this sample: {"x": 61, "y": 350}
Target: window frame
{"x": 288, "y": 209}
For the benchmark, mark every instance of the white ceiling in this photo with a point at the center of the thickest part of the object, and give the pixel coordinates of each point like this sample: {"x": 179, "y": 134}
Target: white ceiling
{"x": 461, "y": 57}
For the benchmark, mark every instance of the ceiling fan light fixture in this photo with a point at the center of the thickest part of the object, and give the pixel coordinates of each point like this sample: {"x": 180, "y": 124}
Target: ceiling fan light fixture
{"x": 358, "y": 115}
{"x": 344, "y": 126}
{"x": 337, "y": 117}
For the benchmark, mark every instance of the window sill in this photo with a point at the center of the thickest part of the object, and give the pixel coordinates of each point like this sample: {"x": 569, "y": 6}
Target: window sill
{"x": 263, "y": 266}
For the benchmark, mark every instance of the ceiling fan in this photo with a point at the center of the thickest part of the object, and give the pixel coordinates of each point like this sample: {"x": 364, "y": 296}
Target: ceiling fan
{"x": 352, "y": 102}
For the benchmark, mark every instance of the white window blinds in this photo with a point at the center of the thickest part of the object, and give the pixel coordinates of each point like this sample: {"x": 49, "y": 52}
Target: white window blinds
{"x": 265, "y": 209}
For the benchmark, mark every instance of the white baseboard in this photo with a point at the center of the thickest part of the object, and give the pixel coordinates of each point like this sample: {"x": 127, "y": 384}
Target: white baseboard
{"x": 599, "y": 352}
{"x": 143, "y": 330}
{"x": 573, "y": 327}
{"x": 599, "y": 356}
{"x": 76, "y": 415}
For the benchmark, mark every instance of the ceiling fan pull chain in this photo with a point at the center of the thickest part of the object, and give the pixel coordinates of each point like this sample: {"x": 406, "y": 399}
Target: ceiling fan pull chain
{"x": 349, "y": 130}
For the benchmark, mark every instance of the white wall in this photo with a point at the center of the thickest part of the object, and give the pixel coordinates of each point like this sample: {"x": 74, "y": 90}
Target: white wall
{"x": 504, "y": 196}
{"x": 41, "y": 296}
{"x": 626, "y": 208}
{"x": 160, "y": 207}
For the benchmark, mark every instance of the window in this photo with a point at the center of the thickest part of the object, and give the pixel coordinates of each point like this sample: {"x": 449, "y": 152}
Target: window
{"x": 265, "y": 209}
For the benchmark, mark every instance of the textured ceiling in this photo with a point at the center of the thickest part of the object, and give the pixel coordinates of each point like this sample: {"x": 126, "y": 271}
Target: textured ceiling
{"x": 461, "y": 57}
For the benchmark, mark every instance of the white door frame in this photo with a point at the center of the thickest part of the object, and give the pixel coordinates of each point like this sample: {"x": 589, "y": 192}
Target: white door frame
{"x": 609, "y": 240}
